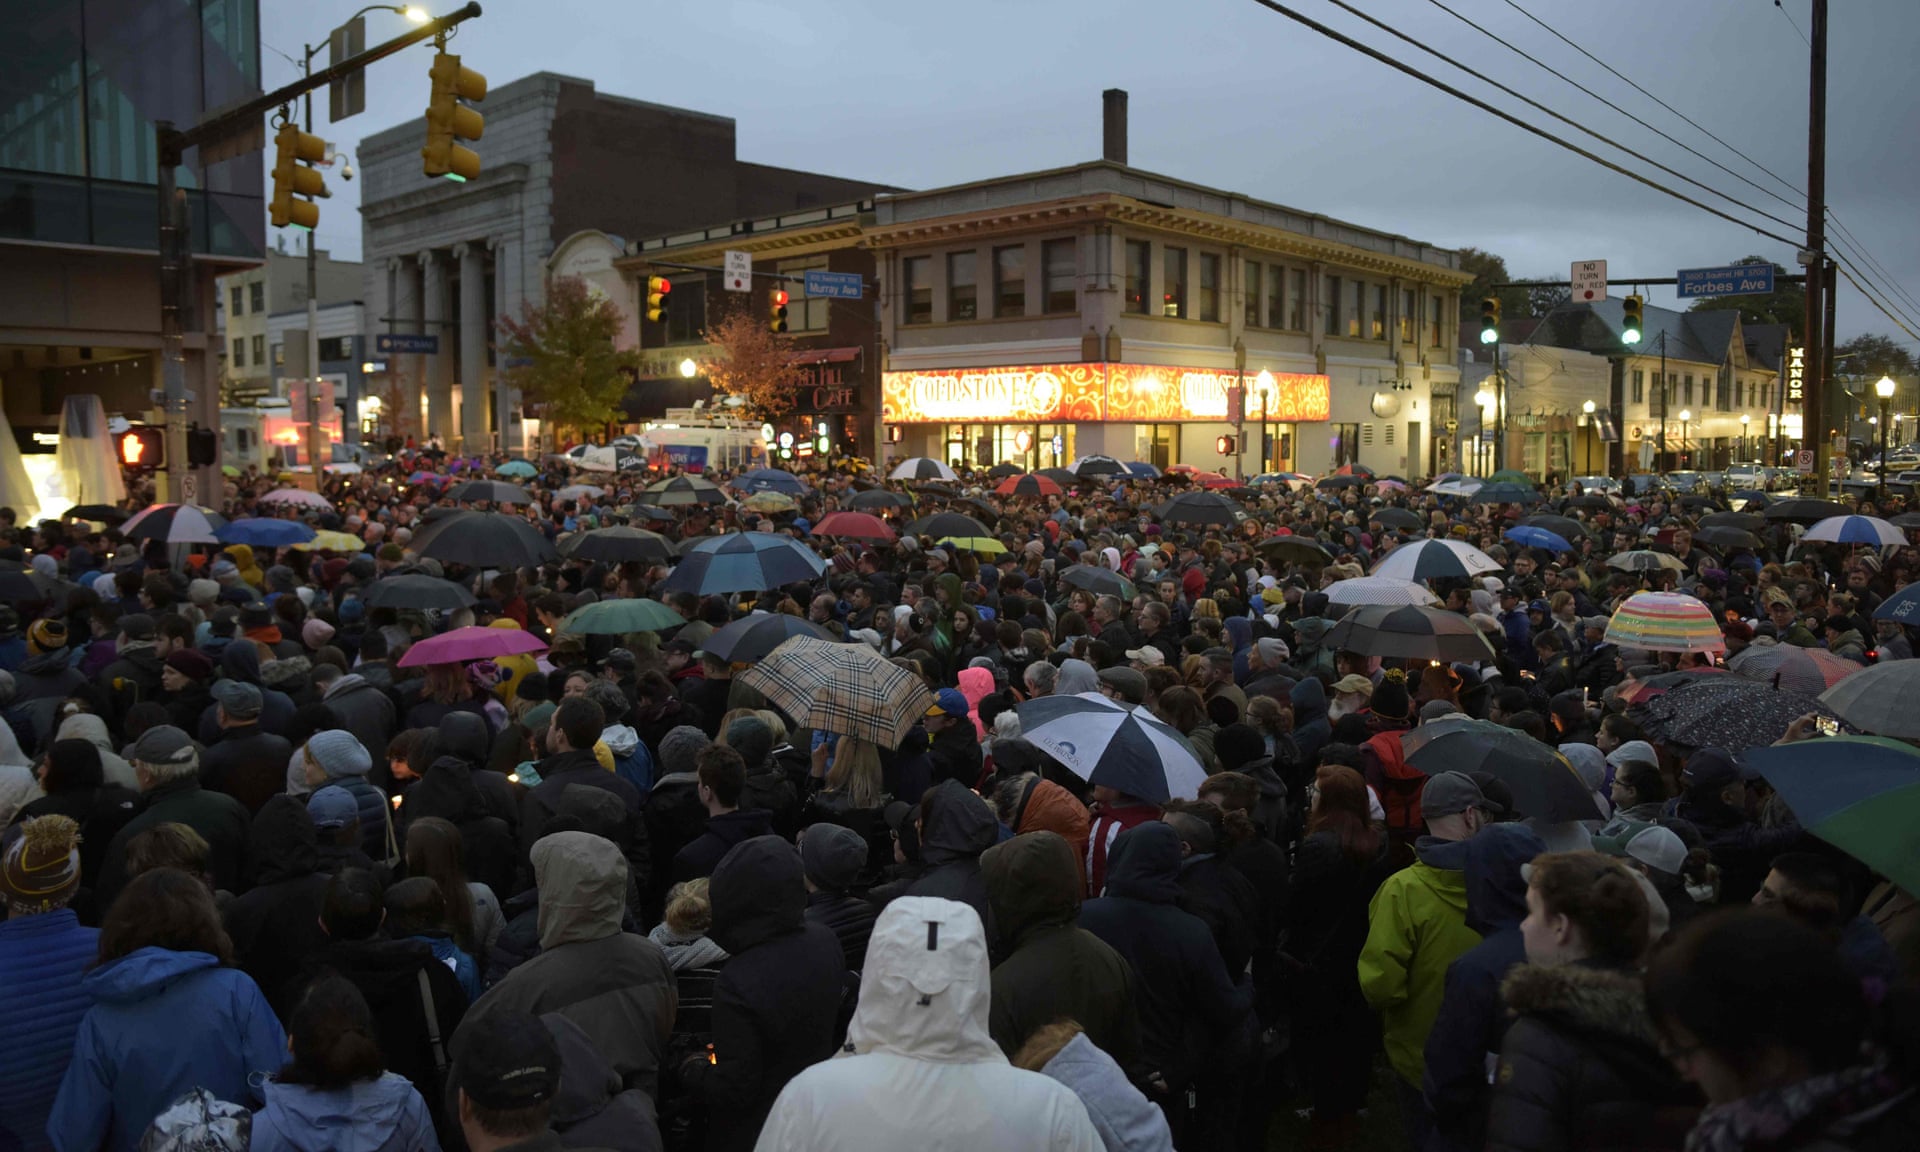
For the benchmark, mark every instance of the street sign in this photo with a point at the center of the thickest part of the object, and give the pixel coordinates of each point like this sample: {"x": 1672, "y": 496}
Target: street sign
{"x": 838, "y": 285}
{"x": 406, "y": 343}
{"x": 1589, "y": 281}
{"x": 189, "y": 488}
{"x": 347, "y": 96}
{"x": 1803, "y": 460}
{"x": 1733, "y": 280}
{"x": 739, "y": 271}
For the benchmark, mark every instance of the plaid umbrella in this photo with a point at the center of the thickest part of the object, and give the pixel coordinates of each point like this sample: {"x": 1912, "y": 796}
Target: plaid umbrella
{"x": 493, "y": 491}
{"x": 844, "y": 688}
{"x": 744, "y": 562}
{"x": 755, "y": 637}
{"x": 1809, "y": 670}
{"x": 618, "y": 545}
{"x": 619, "y": 617}
{"x": 1880, "y": 699}
{"x": 1409, "y": 632}
{"x": 1104, "y": 742}
{"x": 921, "y": 468}
{"x": 1434, "y": 559}
{"x": 1665, "y": 622}
{"x": 681, "y": 490}
{"x": 1723, "y": 712}
{"x": 417, "y": 591}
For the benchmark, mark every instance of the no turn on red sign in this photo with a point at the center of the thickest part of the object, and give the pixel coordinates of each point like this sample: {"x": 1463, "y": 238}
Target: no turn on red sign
{"x": 1589, "y": 281}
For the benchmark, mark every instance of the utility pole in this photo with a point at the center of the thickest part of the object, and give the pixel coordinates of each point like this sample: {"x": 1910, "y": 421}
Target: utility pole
{"x": 1819, "y": 331}
{"x": 316, "y": 433}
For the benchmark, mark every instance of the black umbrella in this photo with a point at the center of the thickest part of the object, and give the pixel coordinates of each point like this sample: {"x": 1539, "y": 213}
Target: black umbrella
{"x": 492, "y": 491}
{"x": 649, "y": 512}
{"x": 1059, "y": 476}
{"x": 878, "y": 500}
{"x": 940, "y": 490}
{"x": 1726, "y": 536}
{"x": 1003, "y": 470}
{"x": 1098, "y": 580}
{"x": 1543, "y": 783}
{"x": 1295, "y": 550}
{"x": 980, "y": 506}
{"x": 1565, "y": 527}
{"x": 1805, "y": 510}
{"x": 1591, "y": 500}
{"x": 943, "y": 524}
{"x": 1745, "y": 521}
{"x": 483, "y": 540}
{"x": 1723, "y": 712}
{"x": 681, "y": 490}
{"x": 1695, "y": 501}
{"x": 1907, "y": 520}
{"x": 1409, "y": 633}
{"x": 1349, "y": 480}
{"x": 419, "y": 592}
{"x": 1197, "y": 508}
{"x": 618, "y": 545}
{"x": 749, "y": 640}
{"x": 1505, "y": 493}
{"x": 1405, "y": 518}
{"x": 103, "y": 513}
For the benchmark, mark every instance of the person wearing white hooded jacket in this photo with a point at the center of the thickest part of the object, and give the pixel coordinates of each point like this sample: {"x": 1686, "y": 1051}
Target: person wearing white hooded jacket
{"x": 919, "y": 1069}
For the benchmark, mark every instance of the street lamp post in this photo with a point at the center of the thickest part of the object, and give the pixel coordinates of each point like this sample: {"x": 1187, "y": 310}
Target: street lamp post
{"x": 1686, "y": 415}
{"x": 1745, "y": 419}
{"x": 1264, "y": 383}
{"x": 1884, "y": 389}
{"x": 1588, "y": 408}
{"x": 1485, "y": 398}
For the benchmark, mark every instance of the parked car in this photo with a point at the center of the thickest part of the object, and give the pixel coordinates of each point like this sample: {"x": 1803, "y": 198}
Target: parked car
{"x": 1745, "y": 475}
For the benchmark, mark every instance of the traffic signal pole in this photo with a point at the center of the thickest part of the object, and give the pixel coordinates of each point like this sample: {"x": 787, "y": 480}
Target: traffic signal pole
{"x": 1819, "y": 329}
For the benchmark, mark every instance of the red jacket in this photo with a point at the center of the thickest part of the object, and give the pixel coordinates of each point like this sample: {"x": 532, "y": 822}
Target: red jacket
{"x": 1107, "y": 824}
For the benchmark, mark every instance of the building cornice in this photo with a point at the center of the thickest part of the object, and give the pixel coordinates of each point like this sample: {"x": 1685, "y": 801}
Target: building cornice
{"x": 435, "y": 197}
{"x": 794, "y": 242}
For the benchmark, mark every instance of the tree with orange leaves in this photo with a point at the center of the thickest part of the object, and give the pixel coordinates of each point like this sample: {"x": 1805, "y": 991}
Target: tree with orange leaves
{"x": 753, "y": 363}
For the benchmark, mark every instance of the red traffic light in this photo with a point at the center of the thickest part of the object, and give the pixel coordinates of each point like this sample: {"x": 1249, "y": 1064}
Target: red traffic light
{"x": 779, "y": 298}
{"x": 142, "y": 446}
{"x": 665, "y": 285}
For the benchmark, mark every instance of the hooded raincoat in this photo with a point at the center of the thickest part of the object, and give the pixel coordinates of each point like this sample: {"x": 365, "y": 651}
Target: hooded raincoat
{"x": 958, "y": 826}
{"x": 1417, "y": 926}
{"x": 383, "y": 1115}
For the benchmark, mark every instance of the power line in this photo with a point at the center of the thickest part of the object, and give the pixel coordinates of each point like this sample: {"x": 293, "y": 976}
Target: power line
{"x": 1850, "y": 260}
{"x": 1485, "y": 79}
{"x": 1637, "y": 88}
{"x": 1525, "y": 55}
{"x": 1876, "y": 265}
{"x": 1874, "y": 300}
{"x": 1407, "y": 69}
{"x": 1796, "y": 27}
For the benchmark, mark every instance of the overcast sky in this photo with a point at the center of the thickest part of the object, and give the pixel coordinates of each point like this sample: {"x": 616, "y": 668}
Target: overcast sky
{"x": 1228, "y": 94}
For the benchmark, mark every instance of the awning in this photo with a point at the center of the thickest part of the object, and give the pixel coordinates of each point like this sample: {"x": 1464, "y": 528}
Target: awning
{"x": 824, "y": 355}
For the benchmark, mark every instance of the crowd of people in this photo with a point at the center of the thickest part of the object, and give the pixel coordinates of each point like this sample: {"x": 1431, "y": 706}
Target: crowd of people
{"x": 269, "y": 883}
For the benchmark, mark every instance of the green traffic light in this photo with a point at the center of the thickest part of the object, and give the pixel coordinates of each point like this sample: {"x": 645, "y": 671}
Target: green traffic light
{"x": 457, "y": 179}
{"x": 1489, "y": 335}
{"x": 1630, "y": 336}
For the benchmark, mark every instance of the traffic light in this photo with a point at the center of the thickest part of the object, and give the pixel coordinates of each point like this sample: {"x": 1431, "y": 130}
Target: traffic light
{"x": 777, "y": 316}
{"x": 657, "y": 289}
{"x": 203, "y": 446}
{"x": 1631, "y": 323}
{"x": 1490, "y": 320}
{"x": 449, "y": 121}
{"x": 143, "y": 447}
{"x": 1225, "y": 445}
{"x": 293, "y": 150}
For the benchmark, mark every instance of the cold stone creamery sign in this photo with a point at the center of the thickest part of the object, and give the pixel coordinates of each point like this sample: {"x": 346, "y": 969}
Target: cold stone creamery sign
{"x": 1093, "y": 393}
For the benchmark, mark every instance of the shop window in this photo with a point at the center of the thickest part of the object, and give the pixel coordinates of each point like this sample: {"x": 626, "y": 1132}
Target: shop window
{"x": 916, "y": 295}
{"x": 1139, "y": 276}
{"x": 1060, "y": 265}
{"x": 962, "y": 286}
{"x": 1010, "y": 280}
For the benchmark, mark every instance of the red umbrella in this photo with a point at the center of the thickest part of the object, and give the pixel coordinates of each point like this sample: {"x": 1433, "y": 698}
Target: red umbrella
{"x": 853, "y": 525}
{"x": 1028, "y": 486}
{"x": 1212, "y": 480}
{"x": 473, "y": 642}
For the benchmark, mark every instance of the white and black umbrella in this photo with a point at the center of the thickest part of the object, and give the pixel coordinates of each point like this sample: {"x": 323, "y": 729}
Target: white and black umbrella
{"x": 1104, "y": 742}
{"x": 483, "y": 540}
{"x": 1436, "y": 559}
{"x": 610, "y": 460}
{"x": 176, "y": 524}
{"x": 680, "y": 491}
{"x": 1097, "y": 466}
{"x": 921, "y": 468}
{"x": 1409, "y": 633}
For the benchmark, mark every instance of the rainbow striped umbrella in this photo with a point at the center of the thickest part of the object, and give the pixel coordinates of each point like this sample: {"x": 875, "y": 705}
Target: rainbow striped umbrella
{"x": 1665, "y": 622}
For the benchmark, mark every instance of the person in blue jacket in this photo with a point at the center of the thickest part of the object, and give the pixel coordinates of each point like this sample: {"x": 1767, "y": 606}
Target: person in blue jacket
{"x": 336, "y": 1095}
{"x": 170, "y": 1014}
{"x": 44, "y": 953}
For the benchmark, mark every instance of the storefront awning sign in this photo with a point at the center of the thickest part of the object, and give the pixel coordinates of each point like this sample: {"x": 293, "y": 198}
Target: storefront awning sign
{"x": 1094, "y": 393}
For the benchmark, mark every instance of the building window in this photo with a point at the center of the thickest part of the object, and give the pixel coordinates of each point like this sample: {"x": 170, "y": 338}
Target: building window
{"x": 237, "y": 292}
{"x": 257, "y": 296}
{"x": 1297, "y": 300}
{"x": 336, "y": 348}
{"x": 1406, "y": 315}
{"x": 1333, "y": 306}
{"x": 239, "y": 351}
{"x": 259, "y": 350}
{"x": 916, "y": 295}
{"x": 1276, "y": 299}
{"x": 1060, "y": 264}
{"x": 1379, "y": 328}
{"x": 962, "y": 287}
{"x": 1210, "y": 287}
{"x": 686, "y": 315}
{"x": 1252, "y": 294}
{"x": 1010, "y": 280}
{"x": 804, "y": 313}
{"x": 1720, "y": 388}
{"x": 1688, "y": 401}
{"x": 1436, "y": 320}
{"x": 1639, "y": 386}
{"x": 279, "y": 355}
{"x": 1356, "y": 319}
{"x": 1139, "y": 276}
{"x": 1173, "y": 291}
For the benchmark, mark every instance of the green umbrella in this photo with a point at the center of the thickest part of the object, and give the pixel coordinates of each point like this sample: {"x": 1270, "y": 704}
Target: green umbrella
{"x": 1510, "y": 476}
{"x": 1860, "y": 794}
{"x": 516, "y": 468}
{"x": 619, "y": 617}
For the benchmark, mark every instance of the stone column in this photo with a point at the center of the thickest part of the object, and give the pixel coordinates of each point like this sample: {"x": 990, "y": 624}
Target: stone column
{"x": 506, "y": 272}
{"x": 473, "y": 346}
{"x": 440, "y": 365}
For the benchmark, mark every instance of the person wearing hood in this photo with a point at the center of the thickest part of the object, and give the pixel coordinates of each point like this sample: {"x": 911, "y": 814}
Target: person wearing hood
{"x": 615, "y": 985}
{"x": 467, "y": 736}
{"x": 1026, "y": 801}
{"x": 1126, "y": 1120}
{"x": 1311, "y": 728}
{"x": 1310, "y": 655}
{"x": 722, "y": 777}
{"x": 832, "y": 857}
{"x": 955, "y": 827}
{"x": 1076, "y": 677}
{"x": 333, "y": 758}
{"x": 114, "y": 768}
{"x": 245, "y": 568}
{"x": 361, "y": 708}
{"x": 335, "y": 1094}
{"x": 242, "y": 662}
{"x": 919, "y": 1057}
{"x": 1049, "y": 967}
{"x": 777, "y": 998}
{"x": 167, "y": 766}
{"x": 1473, "y": 1019}
{"x": 134, "y": 674}
{"x": 591, "y": 1110}
{"x": 449, "y": 791}
{"x": 1416, "y": 927}
{"x": 275, "y": 924}
{"x": 185, "y": 677}
{"x": 169, "y": 1015}
{"x": 44, "y": 957}
{"x": 248, "y": 761}
{"x": 1581, "y": 1065}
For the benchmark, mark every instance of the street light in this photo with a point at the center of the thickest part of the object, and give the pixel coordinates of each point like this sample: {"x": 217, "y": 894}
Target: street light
{"x": 688, "y": 368}
{"x": 1686, "y": 414}
{"x": 1486, "y": 400}
{"x": 1744, "y": 419}
{"x": 1883, "y": 388}
{"x": 1588, "y": 408}
{"x": 416, "y": 14}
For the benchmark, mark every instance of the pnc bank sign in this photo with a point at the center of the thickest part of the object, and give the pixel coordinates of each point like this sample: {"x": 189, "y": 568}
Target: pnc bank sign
{"x": 1093, "y": 393}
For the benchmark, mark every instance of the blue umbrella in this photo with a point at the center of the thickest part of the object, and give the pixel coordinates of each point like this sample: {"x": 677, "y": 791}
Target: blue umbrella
{"x": 771, "y": 480}
{"x": 1903, "y": 606}
{"x": 516, "y": 468}
{"x": 1142, "y": 468}
{"x": 264, "y": 532}
{"x": 1538, "y": 538}
{"x": 743, "y": 562}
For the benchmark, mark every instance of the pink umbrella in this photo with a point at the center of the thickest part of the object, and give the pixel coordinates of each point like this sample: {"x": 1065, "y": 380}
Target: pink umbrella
{"x": 470, "y": 643}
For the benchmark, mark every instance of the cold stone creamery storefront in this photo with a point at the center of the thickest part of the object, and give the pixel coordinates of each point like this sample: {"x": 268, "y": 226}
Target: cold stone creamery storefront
{"x": 1044, "y": 415}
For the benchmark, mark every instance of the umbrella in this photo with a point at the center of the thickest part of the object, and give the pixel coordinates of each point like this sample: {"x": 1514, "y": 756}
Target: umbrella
{"x": 426, "y": 478}
{"x": 518, "y": 468}
{"x": 1142, "y": 469}
{"x": 1809, "y": 670}
{"x": 1510, "y": 476}
{"x": 1696, "y": 501}
{"x": 100, "y": 513}
{"x": 17, "y": 586}
{"x": 921, "y": 468}
{"x": 1405, "y": 518}
{"x": 1034, "y": 486}
{"x": 1342, "y": 480}
{"x": 1088, "y": 466}
{"x": 743, "y": 562}
{"x": 1665, "y": 622}
{"x": 1198, "y": 508}
{"x": 844, "y": 688}
{"x": 1593, "y": 500}
{"x": 770, "y": 480}
{"x": 1566, "y": 527}
{"x": 1436, "y": 559}
{"x": 1856, "y": 530}
{"x": 948, "y": 524}
{"x": 416, "y": 591}
{"x": 1295, "y": 550}
{"x": 264, "y": 532}
{"x": 1805, "y": 511}
{"x": 1003, "y": 470}
{"x": 854, "y": 526}
{"x": 1860, "y": 794}
{"x": 1645, "y": 560}
{"x": 175, "y": 524}
{"x": 1378, "y": 590}
{"x": 328, "y": 541}
{"x": 1390, "y": 485}
{"x": 680, "y": 491}
{"x": 649, "y": 512}
{"x": 1535, "y": 537}
{"x": 610, "y": 460}
{"x": 1213, "y": 480}
{"x": 1543, "y": 783}
{"x": 1724, "y": 536}
{"x": 1409, "y": 632}
{"x": 1504, "y": 493}
{"x": 1744, "y": 521}
{"x": 299, "y": 497}
{"x": 619, "y": 617}
{"x": 474, "y": 642}
{"x": 979, "y": 545}
{"x": 878, "y": 500}
{"x": 1059, "y": 476}
{"x": 343, "y": 468}
{"x": 1107, "y": 743}
{"x": 581, "y": 491}
{"x": 940, "y": 490}
{"x": 618, "y": 546}
{"x": 1879, "y": 699}
{"x": 483, "y": 540}
{"x": 769, "y": 502}
{"x": 1723, "y": 712}
{"x": 1099, "y": 581}
{"x": 1354, "y": 470}
{"x": 1907, "y": 520}
{"x": 1903, "y": 605}
{"x": 229, "y": 471}
{"x": 1456, "y": 488}
{"x": 492, "y": 491}
{"x": 752, "y": 639}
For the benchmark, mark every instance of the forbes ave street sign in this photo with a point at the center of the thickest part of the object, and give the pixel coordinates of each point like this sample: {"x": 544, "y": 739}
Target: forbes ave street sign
{"x": 1734, "y": 280}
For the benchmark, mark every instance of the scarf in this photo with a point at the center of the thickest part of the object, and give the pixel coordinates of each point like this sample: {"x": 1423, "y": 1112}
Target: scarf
{"x": 1791, "y": 1116}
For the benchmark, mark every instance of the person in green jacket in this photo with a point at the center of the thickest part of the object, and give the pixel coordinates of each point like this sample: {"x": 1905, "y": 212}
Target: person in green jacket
{"x": 1417, "y": 926}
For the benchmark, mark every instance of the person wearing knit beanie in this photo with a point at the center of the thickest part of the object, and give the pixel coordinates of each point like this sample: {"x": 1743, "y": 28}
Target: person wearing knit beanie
{"x": 40, "y": 865}
{"x": 44, "y": 955}
{"x": 680, "y": 747}
{"x": 337, "y": 752}
{"x": 316, "y": 634}
{"x": 47, "y": 635}
{"x": 1390, "y": 699}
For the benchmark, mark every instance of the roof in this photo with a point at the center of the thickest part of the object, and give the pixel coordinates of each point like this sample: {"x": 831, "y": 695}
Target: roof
{"x": 1704, "y": 337}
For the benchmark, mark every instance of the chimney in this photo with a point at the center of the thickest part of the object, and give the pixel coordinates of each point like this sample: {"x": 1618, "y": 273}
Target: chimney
{"x": 1113, "y": 119}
